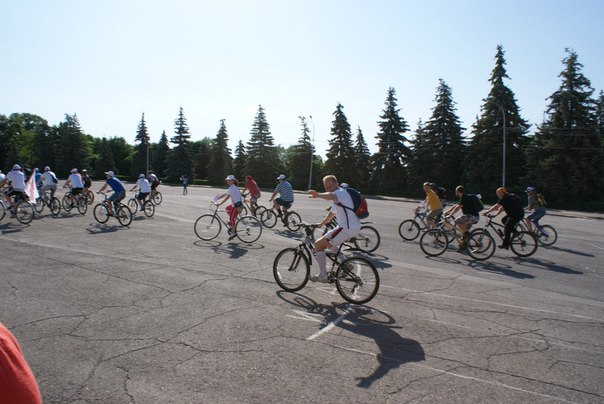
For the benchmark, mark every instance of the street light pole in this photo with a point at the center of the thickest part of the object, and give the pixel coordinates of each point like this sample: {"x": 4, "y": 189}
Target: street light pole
{"x": 311, "y": 152}
{"x": 504, "y": 142}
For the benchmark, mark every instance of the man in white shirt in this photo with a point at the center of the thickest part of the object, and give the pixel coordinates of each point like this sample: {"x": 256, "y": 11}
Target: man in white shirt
{"x": 17, "y": 179}
{"x": 144, "y": 189}
{"x": 50, "y": 181}
{"x": 75, "y": 182}
{"x": 348, "y": 224}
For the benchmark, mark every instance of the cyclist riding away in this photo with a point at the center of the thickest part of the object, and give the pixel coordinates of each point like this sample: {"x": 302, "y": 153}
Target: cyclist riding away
{"x": 285, "y": 200}
{"x": 50, "y": 182}
{"x": 470, "y": 213}
{"x": 17, "y": 180}
{"x": 144, "y": 189}
{"x": 119, "y": 192}
{"x": 348, "y": 224}
{"x": 236, "y": 203}
{"x": 75, "y": 182}
{"x": 153, "y": 181}
{"x": 512, "y": 205}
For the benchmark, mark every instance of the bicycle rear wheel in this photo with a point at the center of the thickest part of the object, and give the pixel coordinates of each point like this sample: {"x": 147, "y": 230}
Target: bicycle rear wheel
{"x": 480, "y": 245}
{"x": 292, "y": 221}
{"x": 357, "y": 280}
{"x": 40, "y": 204}
{"x": 248, "y": 228}
{"x": 408, "y": 229}
{"x": 434, "y": 242}
{"x": 81, "y": 204}
{"x": 89, "y": 197}
{"x": 291, "y": 269}
{"x": 55, "y": 206}
{"x": 547, "y": 235}
{"x": 368, "y": 239}
{"x": 268, "y": 218}
{"x": 101, "y": 213}
{"x": 157, "y": 198}
{"x": 207, "y": 227}
{"x": 259, "y": 211}
{"x": 24, "y": 212}
{"x": 124, "y": 215}
{"x": 523, "y": 244}
{"x": 66, "y": 202}
{"x": 2, "y": 210}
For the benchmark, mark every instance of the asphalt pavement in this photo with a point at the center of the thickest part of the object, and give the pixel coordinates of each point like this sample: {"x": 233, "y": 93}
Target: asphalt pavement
{"x": 152, "y": 314}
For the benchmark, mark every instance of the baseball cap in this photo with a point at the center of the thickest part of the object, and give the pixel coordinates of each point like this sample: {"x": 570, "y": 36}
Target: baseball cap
{"x": 74, "y": 170}
{"x": 46, "y": 168}
{"x": 110, "y": 173}
{"x": 529, "y": 189}
{"x": 344, "y": 185}
{"x": 141, "y": 176}
{"x": 230, "y": 178}
{"x": 16, "y": 167}
{"x": 281, "y": 177}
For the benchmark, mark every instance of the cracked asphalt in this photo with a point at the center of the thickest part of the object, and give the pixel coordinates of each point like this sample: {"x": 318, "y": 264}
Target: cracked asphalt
{"x": 151, "y": 314}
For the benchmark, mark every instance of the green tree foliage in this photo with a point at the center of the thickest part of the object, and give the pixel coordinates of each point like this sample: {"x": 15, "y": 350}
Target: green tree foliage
{"x": 239, "y": 163}
{"x": 221, "y": 162}
{"x": 484, "y": 159}
{"x": 566, "y": 159}
{"x": 160, "y": 158}
{"x": 179, "y": 158}
{"x": 141, "y": 150}
{"x": 105, "y": 161}
{"x": 201, "y": 157}
{"x": 362, "y": 159}
{"x": 438, "y": 146}
{"x": 389, "y": 164}
{"x": 263, "y": 162}
{"x": 600, "y": 116}
{"x": 340, "y": 154}
{"x": 299, "y": 157}
{"x": 73, "y": 146}
{"x": 122, "y": 156}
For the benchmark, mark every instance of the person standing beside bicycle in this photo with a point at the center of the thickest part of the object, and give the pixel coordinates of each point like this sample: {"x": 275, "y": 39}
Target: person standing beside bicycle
{"x": 50, "y": 182}
{"x": 348, "y": 224}
{"x": 433, "y": 203}
{"x": 536, "y": 203}
{"x": 119, "y": 192}
{"x": 512, "y": 205}
{"x": 470, "y": 214}
{"x": 285, "y": 200}
{"x": 144, "y": 189}
{"x": 74, "y": 181}
{"x": 252, "y": 187}
{"x": 236, "y": 203}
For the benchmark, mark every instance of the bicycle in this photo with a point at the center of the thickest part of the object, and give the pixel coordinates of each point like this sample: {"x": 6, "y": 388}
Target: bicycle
{"x": 252, "y": 207}
{"x": 45, "y": 200}
{"x": 147, "y": 206}
{"x": 121, "y": 212}
{"x": 22, "y": 209}
{"x": 89, "y": 196}
{"x": 409, "y": 229}
{"x": 479, "y": 244}
{"x": 356, "y": 278}
{"x": 291, "y": 219}
{"x": 208, "y": 226}
{"x": 368, "y": 239}
{"x": 156, "y": 197}
{"x": 522, "y": 243}
{"x": 80, "y": 202}
{"x": 546, "y": 235}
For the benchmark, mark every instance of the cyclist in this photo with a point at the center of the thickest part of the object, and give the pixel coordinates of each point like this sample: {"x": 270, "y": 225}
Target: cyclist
{"x": 75, "y": 182}
{"x": 2, "y": 175}
{"x": 237, "y": 203}
{"x": 348, "y": 225}
{"x": 433, "y": 203}
{"x": 285, "y": 200}
{"x": 254, "y": 191}
{"x": 119, "y": 192}
{"x": 533, "y": 204}
{"x": 153, "y": 181}
{"x": 512, "y": 205}
{"x": 17, "y": 180}
{"x": 470, "y": 214}
{"x": 50, "y": 182}
{"x": 144, "y": 189}
{"x": 86, "y": 180}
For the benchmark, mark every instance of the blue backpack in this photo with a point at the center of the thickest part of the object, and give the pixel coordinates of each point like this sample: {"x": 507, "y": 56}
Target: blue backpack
{"x": 359, "y": 203}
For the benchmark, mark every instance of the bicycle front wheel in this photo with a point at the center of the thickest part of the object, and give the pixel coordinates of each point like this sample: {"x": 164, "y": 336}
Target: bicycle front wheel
{"x": 124, "y": 215}
{"x": 547, "y": 235}
{"x": 248, "y": 228}
{"x": 357, "y": 280}
{"x": 207, "y": 227}
{"x": 291, "y": 269}
{"x": 101, "y": 213}
{"x": 55, "y": 206}
{"x": 40, "y": 204}
{"x": 133, "y": 205}
{"x": 149, "y": 209}
{"x": 24, "y": 212}
{"x": 480, "y": 245}
{"x": 293, "y": 219}
{"x": 434, "y": 242}
{"x": 408, "y": 229}
{"x": 66, "y": 203}
{"x": 523, "y": 244}
{"x": 259, "y": 211}
{"x": 268, "y": 218}
{"x": 368, "y": 239}
{"x": 2, "y": 210}
{"x": 89, "y": 197}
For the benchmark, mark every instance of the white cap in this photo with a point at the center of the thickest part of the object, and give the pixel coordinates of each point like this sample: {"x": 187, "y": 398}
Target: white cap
{"x": 141, "y": 176}
{"x": 281, "y": 177}
{"x": 344, "y": 185}
{"x": 110, "y": 173}
{"x": 74, "y": 170}
{"x": 46, "y": 168}
{"x": 16, "y": 167}
{"x": 230, "y": 178}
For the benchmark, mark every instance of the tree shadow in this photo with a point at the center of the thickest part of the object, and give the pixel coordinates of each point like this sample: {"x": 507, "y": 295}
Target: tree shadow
{"x": 394, "y": 350}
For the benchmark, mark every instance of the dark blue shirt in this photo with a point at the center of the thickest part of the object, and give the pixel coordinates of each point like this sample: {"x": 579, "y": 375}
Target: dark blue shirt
{"x": 116, "y": 185}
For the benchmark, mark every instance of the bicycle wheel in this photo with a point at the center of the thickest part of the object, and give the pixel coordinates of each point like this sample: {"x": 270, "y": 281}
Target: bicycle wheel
{"x": 269, "y": 218}
{"x": 547, "y": 235}
{"x": 101, "y": 213}
{"x": 480, "y": 245}
{"x": 523, "y": 244}
{"x": 133, "y": 206}
{"x": 55, "y": 206}
{"x": 408, "y": 229}
{"x": 244, "y": 211}
{"x": 259, "y": 211}
{"x": 81, "y": 204}
{"x": 207, "y": 227}
{"x": 2, "y": 210}
{"x": 66, "y": 203}
{"x": 149, "y": 209}
{"x": 368, "y": 239}
{"x": 248, "y": 228}
{"x": 293, "y": 219}
{"x": 434, "y": 242}
{"x": 89, "y": 197}
{"x": 157, "y": 198}
{"x": 40, "y": 204}
{"x": 357, "y": 280}
{"x": 24, "y": 212}
{"x": 291, "y": 269}
{"x": 124, "y": 215}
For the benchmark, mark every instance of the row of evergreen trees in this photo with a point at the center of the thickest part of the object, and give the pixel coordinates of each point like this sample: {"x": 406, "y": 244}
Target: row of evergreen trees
{"x": 563, "y": 157}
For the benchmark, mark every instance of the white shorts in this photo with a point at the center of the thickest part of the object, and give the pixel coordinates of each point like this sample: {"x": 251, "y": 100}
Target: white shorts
{"x": 340, "y": 235}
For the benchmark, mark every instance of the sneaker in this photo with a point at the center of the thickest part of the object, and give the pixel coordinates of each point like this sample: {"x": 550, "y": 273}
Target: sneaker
{"x": 461, "y": 247}
{"x": 318, "y": 278}
{"x": 232, "y": 236}
{"x": 504, "y": 246}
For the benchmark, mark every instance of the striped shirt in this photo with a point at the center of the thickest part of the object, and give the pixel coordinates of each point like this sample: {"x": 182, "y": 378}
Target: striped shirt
{"x": 285, "y": 191}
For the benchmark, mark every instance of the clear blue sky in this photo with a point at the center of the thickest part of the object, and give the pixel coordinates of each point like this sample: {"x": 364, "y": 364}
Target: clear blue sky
{"x": 111, "y": 60}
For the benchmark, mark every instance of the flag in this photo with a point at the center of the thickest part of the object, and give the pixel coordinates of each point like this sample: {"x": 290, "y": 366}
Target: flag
{"x": 31, "y": 190}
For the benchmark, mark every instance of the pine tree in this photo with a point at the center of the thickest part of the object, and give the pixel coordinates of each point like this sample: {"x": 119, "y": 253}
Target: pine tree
{"x": 422, "y": 160}
{"x": 600, "y": 116}
{"x": 140, "y": 160}
{"x": 484, "y": 160}
{"x": 74, "y": 149}
{"x": 105, "y": 162}
{"x": 362, "y": 158}
{"x": 179, "y": 158}
{"x": 299, "y": 158}
{"x": 263, "y": 161}
{"x": 389, "y": 164}
{"x": 239, "y": 163}
{"x": 340, "y": 157}
{"x": 566, "y": 157}
{"x": 201, "y": 157}
{"x": 221, "y": 162}
{"x": 160, "y": 158}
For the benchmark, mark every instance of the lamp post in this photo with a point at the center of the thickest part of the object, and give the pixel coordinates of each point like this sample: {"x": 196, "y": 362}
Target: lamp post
{"x": 504, "y": 141}
{"x": 311, "y": 152}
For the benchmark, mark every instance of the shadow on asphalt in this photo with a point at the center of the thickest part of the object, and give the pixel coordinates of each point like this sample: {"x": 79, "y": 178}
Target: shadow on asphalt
{"x": 234, "y": 249}
{"x": 546, "y": 264}
{"x": 394, "y": 350}
{"x": 499, "y": 268}
{"x": 569, "y": 251}
{"x": 97, "y": 228}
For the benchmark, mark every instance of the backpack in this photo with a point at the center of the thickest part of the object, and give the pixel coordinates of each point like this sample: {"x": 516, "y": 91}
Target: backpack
{"x": 541, "y": 200}
{"x": 477, "y": 205}
{"x": 54, "y": 178}
{"x": 440, "y": 191}
{"x": 359, "y": 203}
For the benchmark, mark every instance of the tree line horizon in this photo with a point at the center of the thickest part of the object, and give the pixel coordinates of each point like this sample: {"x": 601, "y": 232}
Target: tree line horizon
{"x": 563, "y": 158}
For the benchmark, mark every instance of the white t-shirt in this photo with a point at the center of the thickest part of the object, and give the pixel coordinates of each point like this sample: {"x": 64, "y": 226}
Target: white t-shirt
{"x": 346, "y": 218}
{"x": 47, "y": 178}
{"x": 18, "y": 180}
{"x": 76, "y": 181}
{"x": 143, "y": 185}
{"x": 234, "y": 193}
